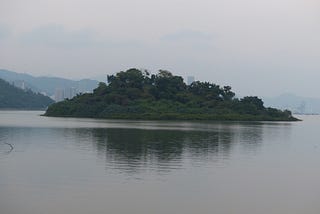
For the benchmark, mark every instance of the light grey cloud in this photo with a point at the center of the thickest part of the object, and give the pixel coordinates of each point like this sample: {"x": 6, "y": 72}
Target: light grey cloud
{"x": 187, "y": 35}
{"x": 188, "y": 41}
{"x": 57, "y": 36}
{"x": 249, "y": 44}
{"x": 4, "y": 32}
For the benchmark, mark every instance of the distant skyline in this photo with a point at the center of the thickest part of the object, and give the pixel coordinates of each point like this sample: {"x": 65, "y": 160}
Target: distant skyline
{"x": 263, "y": 48}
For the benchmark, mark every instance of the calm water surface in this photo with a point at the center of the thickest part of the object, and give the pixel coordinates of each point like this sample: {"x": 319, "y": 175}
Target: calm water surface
{"x": 82, "y": 166}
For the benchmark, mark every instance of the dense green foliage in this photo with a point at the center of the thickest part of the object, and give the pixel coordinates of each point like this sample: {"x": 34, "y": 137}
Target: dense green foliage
{"x": 136, "y": 94}
{"x": 16, "y": 98}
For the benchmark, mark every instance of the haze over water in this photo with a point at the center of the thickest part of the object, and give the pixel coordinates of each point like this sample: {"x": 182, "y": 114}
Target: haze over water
{"x": 75, "y": 166}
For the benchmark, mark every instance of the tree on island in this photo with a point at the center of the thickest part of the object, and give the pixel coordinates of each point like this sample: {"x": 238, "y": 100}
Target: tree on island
{"x": 137, "y": 94}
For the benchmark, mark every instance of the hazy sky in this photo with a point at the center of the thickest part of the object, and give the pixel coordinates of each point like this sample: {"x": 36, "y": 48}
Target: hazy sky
{"x": 259, "y": 47}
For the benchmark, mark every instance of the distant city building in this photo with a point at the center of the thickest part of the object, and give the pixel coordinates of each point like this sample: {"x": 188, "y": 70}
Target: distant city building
{"x": 73, "y": 92}
{"x": 59, "y": 95}
{"x": 190, "y": 79}
{"x": 70, "y": 92}
{"x": 66, "y": 93}
{"x": 23, "y": 86}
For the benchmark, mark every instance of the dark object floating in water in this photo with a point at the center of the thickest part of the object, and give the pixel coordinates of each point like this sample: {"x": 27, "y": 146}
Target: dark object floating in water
{"x": 10, "y": 146}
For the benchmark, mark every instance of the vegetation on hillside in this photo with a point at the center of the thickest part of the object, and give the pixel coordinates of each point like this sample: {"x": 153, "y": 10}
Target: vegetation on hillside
{"x": 47, "y": 84}
{"x": 16, "y": 98}
{"x": 136, "y": 94}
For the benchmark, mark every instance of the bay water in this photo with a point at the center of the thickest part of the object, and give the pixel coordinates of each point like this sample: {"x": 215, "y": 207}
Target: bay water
{"x": 81, "y": 166}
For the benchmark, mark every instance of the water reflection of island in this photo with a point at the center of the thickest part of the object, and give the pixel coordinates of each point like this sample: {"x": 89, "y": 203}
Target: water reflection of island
{"x": 139, "y": 149}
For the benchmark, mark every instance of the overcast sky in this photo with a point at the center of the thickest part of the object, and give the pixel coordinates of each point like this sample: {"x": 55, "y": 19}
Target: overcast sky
{"x": 259, "y": 47}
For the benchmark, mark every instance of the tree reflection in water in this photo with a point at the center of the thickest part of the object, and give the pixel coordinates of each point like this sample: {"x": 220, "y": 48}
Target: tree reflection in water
{"x": 133, "y": 150}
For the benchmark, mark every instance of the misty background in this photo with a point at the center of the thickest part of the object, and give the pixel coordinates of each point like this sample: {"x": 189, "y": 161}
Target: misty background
{"x": 263, "y": 48}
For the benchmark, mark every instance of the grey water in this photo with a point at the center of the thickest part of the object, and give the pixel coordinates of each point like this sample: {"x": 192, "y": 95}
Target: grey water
{"x": 81, "y": 166}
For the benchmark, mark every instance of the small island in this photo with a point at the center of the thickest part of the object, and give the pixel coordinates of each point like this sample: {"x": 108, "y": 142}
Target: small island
{"x": 137, "y": 94}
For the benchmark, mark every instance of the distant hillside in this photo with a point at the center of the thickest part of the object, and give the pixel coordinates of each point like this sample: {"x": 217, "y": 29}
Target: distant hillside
{"x": 15, "y": 98}
{"x": 294, "y": 103}
{"x": 48, "y": 85}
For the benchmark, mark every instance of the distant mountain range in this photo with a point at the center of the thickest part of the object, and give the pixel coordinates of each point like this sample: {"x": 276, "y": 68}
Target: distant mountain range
{"x": 60, "y": 88}
{"x": 15, "y": 98}
{"x": 294, "y": 103}
{"x": 50, "y": 86}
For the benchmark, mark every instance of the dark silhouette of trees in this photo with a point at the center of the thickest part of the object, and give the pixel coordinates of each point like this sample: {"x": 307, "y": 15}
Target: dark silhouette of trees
{"x": 135, "y": 94}
{"x": 15, "y": 98}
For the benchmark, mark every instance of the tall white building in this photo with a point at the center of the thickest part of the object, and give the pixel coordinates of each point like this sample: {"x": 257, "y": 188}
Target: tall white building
{"x": 70, "y": 92}
{"x": 59, "y": 95}
{"x": 23, "y": 86}
{"x": 66, "y": 93}
{"x": 190, "y": 79}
